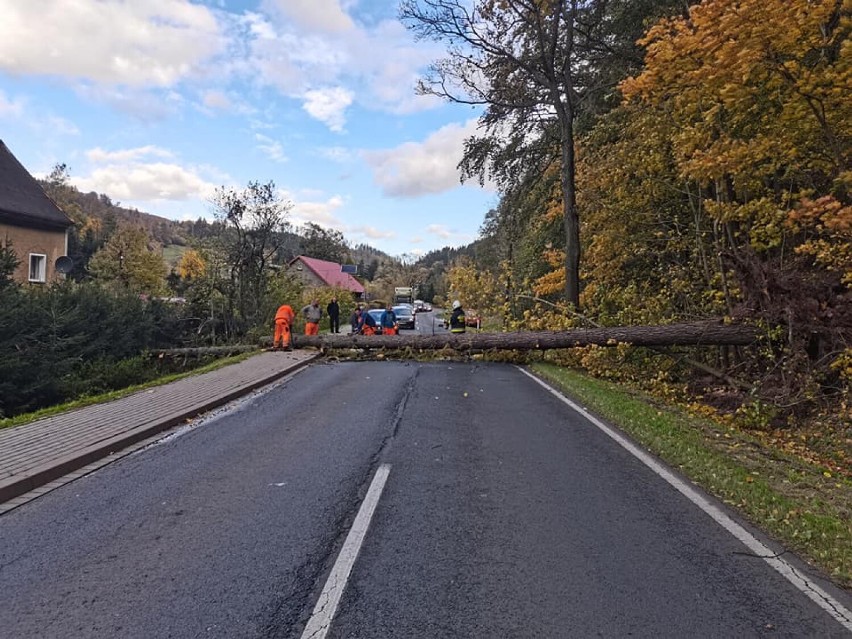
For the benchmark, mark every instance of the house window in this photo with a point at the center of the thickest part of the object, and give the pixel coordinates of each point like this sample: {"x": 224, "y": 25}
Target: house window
{"x": 38, "y": 267}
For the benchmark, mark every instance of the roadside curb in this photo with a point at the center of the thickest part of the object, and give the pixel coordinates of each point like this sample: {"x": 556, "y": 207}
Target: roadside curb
{"x": 63, "y": 465}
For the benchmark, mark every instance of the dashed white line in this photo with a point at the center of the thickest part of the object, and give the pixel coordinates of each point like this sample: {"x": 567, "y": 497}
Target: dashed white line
{"x": 810, "y": 589}
{"x": 323, "y": 614}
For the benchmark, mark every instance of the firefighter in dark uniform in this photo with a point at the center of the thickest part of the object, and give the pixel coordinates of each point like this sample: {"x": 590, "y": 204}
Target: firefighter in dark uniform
{"x": 457, "y": 321}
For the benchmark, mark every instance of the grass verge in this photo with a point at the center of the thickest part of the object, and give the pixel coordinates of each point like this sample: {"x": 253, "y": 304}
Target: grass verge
{"x": 101, "y": 398}
{"x": 801, "y": 504}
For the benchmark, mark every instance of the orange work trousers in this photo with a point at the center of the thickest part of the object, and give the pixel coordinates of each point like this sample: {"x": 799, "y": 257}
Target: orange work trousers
{"x": 368, "y": 330}
{"x": 390, "y": 330}
{"x": 311, "y": 328}
{"x": 282, "y": 334}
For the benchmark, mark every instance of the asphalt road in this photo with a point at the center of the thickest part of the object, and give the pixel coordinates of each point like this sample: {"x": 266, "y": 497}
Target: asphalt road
{"x": 504, "y": 514}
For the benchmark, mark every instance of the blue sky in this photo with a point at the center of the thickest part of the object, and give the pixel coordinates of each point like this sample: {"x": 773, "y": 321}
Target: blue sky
{"x": 157, "y": 102}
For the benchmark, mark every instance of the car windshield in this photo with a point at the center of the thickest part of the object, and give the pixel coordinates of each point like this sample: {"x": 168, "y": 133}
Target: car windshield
{"x": 376, "y": 314}
{"x": 401, "y": 311}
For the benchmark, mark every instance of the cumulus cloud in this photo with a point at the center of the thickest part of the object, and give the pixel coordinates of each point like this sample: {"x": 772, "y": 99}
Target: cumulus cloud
{"x": 131, "y": 175}
{"x": 316, "y": 15}
{"x": 142, "y": 182}
{"x": 300, "y": 45}
{"x": 328, "y": 106}
{"x": 321, "y": 213}
{"x": 140, "y": 44}
{"x": 415, "y": 169}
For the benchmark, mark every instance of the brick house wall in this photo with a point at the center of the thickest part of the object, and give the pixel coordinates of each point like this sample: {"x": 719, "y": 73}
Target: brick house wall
{"x": 26, "y": 241}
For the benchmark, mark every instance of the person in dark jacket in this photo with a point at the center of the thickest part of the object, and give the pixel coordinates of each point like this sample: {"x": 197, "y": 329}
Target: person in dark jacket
{"x": 388, "y": 322}
{"x": 457, "y": 320}
{"x": 333, "y": 310}
{"x": 355, "y": 319}
{"x": 367, "y": 326}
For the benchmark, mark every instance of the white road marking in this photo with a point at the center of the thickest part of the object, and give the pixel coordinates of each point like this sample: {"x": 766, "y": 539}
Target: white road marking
{"x": 323, "y": 614}
{"x": 809, "y": 588}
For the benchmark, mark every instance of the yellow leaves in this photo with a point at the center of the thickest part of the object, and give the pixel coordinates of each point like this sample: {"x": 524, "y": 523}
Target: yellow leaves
{"x": 475, "y": 288}
{"x": 550, "y": 283}
{"x": 828, "y": 224}
{"x": 748, "y": 82}
{"x": 191, "y": 265}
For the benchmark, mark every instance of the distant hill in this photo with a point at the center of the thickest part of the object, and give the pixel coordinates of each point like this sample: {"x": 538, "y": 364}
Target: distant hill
{"x": 171, "y": 235}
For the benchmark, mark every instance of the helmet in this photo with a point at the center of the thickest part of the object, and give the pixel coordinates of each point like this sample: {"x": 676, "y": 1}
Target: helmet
{"x": 456, "y": 304}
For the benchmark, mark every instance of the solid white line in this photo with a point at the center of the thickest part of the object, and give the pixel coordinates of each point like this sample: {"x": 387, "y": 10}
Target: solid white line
{"x": 816, "y": 594}
{"x": 323, "y": 614}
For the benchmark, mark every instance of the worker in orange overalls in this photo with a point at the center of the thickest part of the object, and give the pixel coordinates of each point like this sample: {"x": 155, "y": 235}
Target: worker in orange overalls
{"x": 283, "y": 321}
{"x": 388, "y": 321}
{"x": 366, "y": 323}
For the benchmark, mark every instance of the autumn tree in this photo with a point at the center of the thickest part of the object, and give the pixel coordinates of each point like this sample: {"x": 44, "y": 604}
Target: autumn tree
{"x": 536, "y": 65}
{"x": 128, "y": 263}
{"x": 191, "y": 265}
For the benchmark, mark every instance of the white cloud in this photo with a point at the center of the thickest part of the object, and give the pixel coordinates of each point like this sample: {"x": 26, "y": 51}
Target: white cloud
{"x": 216, "y": 100}
{"x": 440, "y": 230}
{"x": 321, "y": 213}
{"x": 379, "y": 64}
{"x": 328, "y": 106}
{"x": 140, "y": 44}
{"x": 99, "y": 156}
{"x": 123, "y": 176}
{"x": 415, "y": 169}
{"x": 317, "y": 15}
{"x": 373, "y": 233}
{"x": 271, "y": 148}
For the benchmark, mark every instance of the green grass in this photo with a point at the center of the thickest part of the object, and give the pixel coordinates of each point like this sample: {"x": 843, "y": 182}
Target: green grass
{"x": 797, "y": 502}
{"x": 88, "y": 400}
{"x": 172, "y": 254}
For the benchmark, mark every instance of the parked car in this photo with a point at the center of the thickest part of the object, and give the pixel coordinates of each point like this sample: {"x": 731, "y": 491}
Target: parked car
{"x": 404, "y": 316}
{"x": 440, "y": 321}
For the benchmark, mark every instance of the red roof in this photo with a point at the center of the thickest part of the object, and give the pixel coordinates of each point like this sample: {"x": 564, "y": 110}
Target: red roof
{"x": 331, "y": 274}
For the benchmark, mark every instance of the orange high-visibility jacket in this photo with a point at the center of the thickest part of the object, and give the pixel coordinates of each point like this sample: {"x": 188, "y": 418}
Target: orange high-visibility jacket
{"x": 285, "y": 312}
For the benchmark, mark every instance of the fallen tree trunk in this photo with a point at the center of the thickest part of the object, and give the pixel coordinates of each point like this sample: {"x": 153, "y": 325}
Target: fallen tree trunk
{"x": 694, "y": 334}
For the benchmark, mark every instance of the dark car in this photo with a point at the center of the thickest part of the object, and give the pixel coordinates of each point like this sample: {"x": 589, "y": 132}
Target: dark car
{"x": 404, "y": 316}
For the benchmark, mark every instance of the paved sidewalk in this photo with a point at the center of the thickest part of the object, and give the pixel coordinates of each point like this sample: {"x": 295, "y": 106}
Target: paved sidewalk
{"x": 34, "y": 454}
